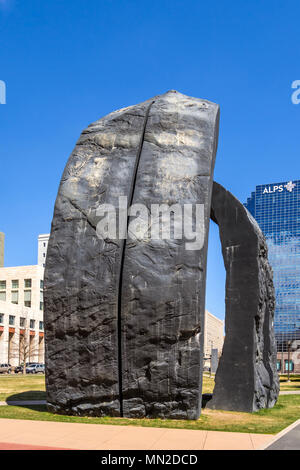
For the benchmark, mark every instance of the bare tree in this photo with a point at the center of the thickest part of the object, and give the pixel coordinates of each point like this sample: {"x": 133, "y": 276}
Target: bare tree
{"x": 26, "y": 349}
{"x": 23, "y": 347}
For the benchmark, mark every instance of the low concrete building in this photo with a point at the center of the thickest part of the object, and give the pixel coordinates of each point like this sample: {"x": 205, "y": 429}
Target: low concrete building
{"x": 213, "y": 336}
{"x": 21, "y": 334}
{"x": 21, "y": 313}
{"x": 289, "y": 361}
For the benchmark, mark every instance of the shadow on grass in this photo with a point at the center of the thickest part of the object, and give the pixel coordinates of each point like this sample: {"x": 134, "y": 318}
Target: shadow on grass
{"x": 39, "y": 395}
{"x": 29, "y": 395}
{"x": 205, "y": 399}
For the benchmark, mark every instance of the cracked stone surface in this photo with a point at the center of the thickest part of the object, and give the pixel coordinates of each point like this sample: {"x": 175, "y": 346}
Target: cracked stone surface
{"x": 246, "y": 379}
{"x": 163, "y": 291}
{"x": 124, "y": 319}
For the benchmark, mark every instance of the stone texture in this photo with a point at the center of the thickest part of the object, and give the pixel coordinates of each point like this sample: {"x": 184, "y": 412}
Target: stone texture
{"x": 124, "y": 320}
{"x": 82, "y": 271}
{"x": 246, "y": 379}
{"x": 163, "y": 290}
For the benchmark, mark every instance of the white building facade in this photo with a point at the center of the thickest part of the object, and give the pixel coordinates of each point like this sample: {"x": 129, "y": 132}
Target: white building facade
{"x": 213, "y": 335}
{"x": 21, "y": 314}
{"x": 43, "y": 240}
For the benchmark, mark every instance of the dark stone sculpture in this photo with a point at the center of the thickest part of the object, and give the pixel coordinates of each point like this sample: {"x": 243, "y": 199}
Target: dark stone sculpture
{"x": 246, "y": 379}
{"x": 124, "y": 319}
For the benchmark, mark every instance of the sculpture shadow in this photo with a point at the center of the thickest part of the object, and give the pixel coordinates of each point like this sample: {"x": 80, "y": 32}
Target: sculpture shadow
{"x": 38, "y": 395}
{"x": 206, "y": 397}
{"x": 29, "y": 395}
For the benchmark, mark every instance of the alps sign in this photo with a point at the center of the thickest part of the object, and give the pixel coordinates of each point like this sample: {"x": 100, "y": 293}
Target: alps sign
{"x": 280, "y": 188}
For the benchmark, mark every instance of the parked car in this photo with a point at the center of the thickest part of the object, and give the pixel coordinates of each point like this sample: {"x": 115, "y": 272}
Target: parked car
{"x": 5, "y": 368}
{"x": 35, "y": 369}
{"x": 19, "y": 369}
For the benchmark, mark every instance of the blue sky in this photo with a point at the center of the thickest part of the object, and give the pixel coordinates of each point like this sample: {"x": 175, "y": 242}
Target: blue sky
{"x": 67, "y": 63}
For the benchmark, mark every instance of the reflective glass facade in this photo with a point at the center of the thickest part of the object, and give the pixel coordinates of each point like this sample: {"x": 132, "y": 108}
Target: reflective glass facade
{"x": 276, "y": 208}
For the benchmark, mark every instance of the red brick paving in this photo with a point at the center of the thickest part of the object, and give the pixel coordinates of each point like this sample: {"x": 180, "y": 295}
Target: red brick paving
{"x": 12, "y": 446}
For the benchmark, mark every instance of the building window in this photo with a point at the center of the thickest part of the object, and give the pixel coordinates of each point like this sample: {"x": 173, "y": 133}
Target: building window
{"x": 22, "y": 322}
{"x": 41, "y": 326}
{"x": 3, "y": 296}
{"x": 2, "y": 285}
{"x": 15, "y": 284}
{"x": 1, "y": 317}
{"x": 287, "y": 366}
{"x": 41, "y": 284}
{"x": 14, "y": 297}
{"x": 41, "y": 300}
{"x": 11, "y": 320}
{"x": 278, "y": 365}
{"x": 27, "y": 283}
{"x": 27, "y": 298}
{"x": 32, "y": 324}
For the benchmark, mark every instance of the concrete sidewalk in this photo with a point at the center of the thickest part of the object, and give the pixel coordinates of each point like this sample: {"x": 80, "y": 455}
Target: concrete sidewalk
{"x": 24, "y": 434}
{"x": 288, "y": 439}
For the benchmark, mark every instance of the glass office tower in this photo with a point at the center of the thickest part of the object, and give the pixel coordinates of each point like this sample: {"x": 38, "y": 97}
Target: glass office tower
{"x": 276, "y": 208}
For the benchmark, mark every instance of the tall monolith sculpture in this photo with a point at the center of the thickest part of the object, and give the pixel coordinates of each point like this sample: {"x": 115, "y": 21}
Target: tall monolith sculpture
{"x": 247, "y": 378}
{"x": 124, "y": 317}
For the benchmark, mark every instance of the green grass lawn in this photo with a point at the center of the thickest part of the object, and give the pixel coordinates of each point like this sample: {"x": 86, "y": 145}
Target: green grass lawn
{"x": 286, "y": 411}
{"x": 293, "y": 385}
{"x": 22, "y": 387}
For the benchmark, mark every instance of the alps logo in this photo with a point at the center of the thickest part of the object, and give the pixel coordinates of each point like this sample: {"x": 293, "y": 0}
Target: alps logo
{"x": 290, "y": 186}
{"x": 280, "y": 188}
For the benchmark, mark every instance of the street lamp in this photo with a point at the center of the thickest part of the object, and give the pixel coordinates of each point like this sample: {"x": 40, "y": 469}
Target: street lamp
{"x": 289, "y": 356}
{"x": 211, "y": 348}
